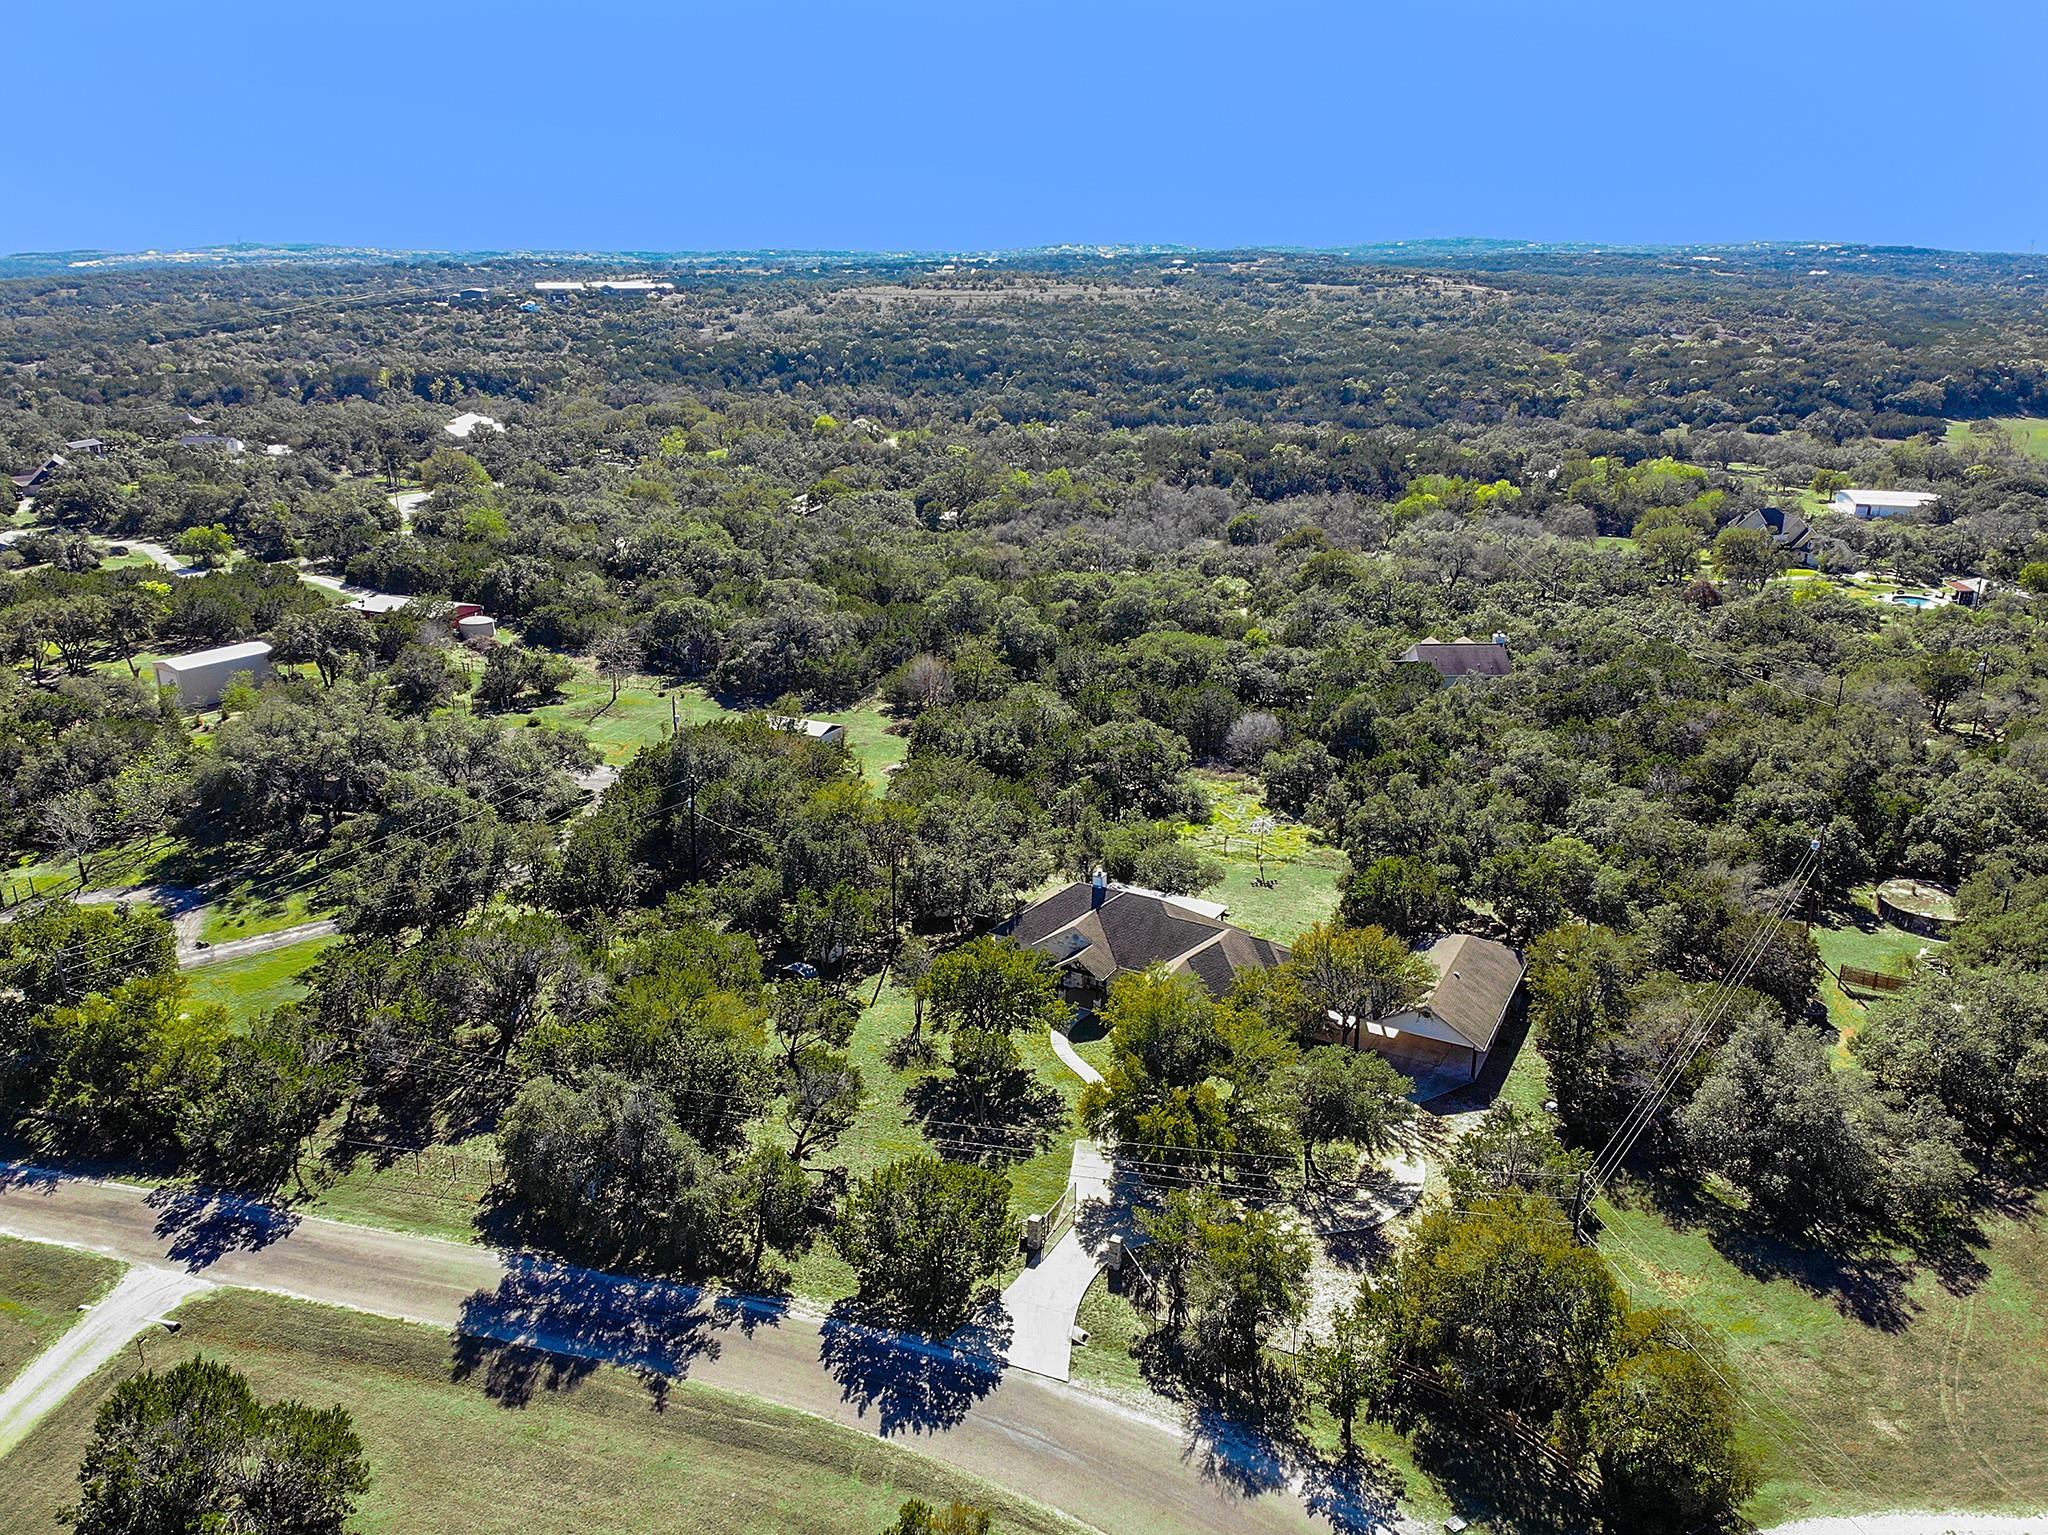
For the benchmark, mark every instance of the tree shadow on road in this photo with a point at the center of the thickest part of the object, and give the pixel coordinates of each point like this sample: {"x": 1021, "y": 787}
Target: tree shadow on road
{"x": 913, "y": 1382}
{"x": 203, "y": 1225}
{"x": 549, "y": 1325}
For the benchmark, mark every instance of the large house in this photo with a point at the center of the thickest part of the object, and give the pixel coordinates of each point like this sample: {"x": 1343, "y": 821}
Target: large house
{"x": 1442, "y": 1040}
{"x": 36, "y": 478}
{"x": 1789, "y": 531}
{"x": 1458, "y": 658}
{"x": 1882, "y": 503}
{"x": 1096, "y": 931}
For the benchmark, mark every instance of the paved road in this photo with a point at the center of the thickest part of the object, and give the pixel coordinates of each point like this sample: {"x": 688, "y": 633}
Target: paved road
{"x": 133, "y": 1305}
{"x": 1113, "y": 1468}
{"x": 186, "y": 909}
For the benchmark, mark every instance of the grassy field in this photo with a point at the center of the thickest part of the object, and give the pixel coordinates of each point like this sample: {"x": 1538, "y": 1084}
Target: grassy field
{"x": 1856, "y": 936}
{"x": 592, "y": 1459}
{"x": 246, "y": 987}
{"x": 1869, "y": 1387}
{"x": 41, "y": 1289}
{"x": 640, "y": 717}
{"x": 1306, "y": 878}
{"x": 886, "y": 1130}
{"x": 2027, "y": 433}
{"x": 868, "y": 738}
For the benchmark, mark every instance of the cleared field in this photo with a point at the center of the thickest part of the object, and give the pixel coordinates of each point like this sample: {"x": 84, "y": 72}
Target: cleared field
{"x": 1305, "y": 879}
{"x": 598, "y": 1457}
{"x": 2027, "y": 433}
{"x": 640, "y": 717}
{"x": 41, "y": 1289}
{"x": 247, "y": 987}
{"x": 1871, "y": 1385}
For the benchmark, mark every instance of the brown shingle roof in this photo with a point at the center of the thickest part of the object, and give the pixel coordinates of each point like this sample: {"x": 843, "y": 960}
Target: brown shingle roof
{"x": 1476, "y": 980}
{"x": 1134, "y": 930}
{"x": 1462, "y": 657}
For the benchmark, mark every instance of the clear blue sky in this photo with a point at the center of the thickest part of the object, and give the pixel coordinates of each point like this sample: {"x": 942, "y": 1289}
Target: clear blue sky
{"x": 871, "y": 125}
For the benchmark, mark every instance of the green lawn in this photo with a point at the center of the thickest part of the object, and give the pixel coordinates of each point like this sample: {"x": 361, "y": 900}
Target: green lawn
{"x": 1306, "y": 878}
{"x": 1856, "y": 936}
{"x": 41, "y": 1289}
{"x": 868, "y": 738}
{"x": 258, "y": 984}
{"x": 886, "y": 1130}
{"x": 640, "y": 718}
{"x": 263, "y": 903}
{"x": 1869, "y": 1389}
{"x": 2027, "y": 433}
{"x": 599, "y": 1457}
{"x": 436, "y": 1192}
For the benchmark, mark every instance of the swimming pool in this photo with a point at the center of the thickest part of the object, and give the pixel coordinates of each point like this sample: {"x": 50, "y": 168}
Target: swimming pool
{"x": 1912, "y": 600}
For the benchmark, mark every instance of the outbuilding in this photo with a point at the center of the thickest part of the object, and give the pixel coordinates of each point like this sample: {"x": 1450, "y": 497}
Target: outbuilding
{"x": 202, "y": 677}
{"x": 1463, "y": 657}
{"x": 1882, "y": 503}
{"x": 817, "y": 730}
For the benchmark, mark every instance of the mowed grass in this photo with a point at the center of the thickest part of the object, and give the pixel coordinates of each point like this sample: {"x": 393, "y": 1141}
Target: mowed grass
{"x": 639, "y": 718}
{"x": 260, "y": 983}
{"x": 597, "y": 1458}
{"x": 41, "y": 1289}
{"x": 1303, "y": 879}
{"x": 1856, "y": 935}
{"x": 868, "y": 738}
{"x": 887, "y": 1130}
{"x": 2027, "y": 433}
{"x": 1868, "y": 1388}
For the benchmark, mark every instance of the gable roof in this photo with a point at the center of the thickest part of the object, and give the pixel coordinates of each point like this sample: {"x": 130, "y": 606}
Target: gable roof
{"x": 1136, "y": 929}
{"x": 1788, "y": 530}
{"x": 1476, "y": 979}
{"x": 1462, "y": 657}
{"x": 41, "y": 472}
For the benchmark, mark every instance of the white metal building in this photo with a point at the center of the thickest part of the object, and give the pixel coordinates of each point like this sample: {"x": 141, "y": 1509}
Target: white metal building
{"x": 202, "y": 677}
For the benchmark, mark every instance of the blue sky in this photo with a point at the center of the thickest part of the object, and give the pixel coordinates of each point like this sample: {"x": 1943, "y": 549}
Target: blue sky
{"x": 964, "y": 126}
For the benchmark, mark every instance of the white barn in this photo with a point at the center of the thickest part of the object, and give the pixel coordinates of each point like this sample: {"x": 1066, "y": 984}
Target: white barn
{"x": 202, "y": 677}
{"x": 1882, "y": 503}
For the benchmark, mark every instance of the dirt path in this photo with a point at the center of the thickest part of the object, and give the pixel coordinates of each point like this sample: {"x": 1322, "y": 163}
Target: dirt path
{"x": 131, "y": 1307}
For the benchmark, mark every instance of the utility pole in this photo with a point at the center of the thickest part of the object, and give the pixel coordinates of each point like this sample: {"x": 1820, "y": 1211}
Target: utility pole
{"x": 693, "y": 833}
{"x": 1582, "y": 1199}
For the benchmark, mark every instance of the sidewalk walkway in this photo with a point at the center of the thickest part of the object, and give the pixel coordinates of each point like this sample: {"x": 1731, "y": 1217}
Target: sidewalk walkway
{"x": 1044, "y": 1299}
{"x": 133, "y": 1305}
{"x": 1063, "y": 1047}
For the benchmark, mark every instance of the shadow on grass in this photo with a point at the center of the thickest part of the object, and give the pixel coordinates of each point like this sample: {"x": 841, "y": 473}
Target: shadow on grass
{"x": 547, "y": 1326}
{"x": 203, "y": 1225}
{"x": 912, "y": 1382}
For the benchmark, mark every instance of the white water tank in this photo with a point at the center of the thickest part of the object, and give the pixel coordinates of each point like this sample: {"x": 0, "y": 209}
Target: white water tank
{"x": 476, "y": 628}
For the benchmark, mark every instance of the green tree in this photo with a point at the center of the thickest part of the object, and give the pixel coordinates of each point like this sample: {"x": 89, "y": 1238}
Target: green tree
{"x": 605, "y": 1171}
{"x": 192, "y": 1449}
{"x": 1341, "y": 1094}
{"x": 1661, "y": 1427}
{"x": 921, "y": 1234}
{"x": 766, "y": 1200}
{"x": 1349, "y": 976}
{"x": 1347, "y": 1366}
{"x": 209, "y": 546}
{"x": 1747, "y": 556}
{"x": 1401, "y": 894}
{"x": 992, "y": 983}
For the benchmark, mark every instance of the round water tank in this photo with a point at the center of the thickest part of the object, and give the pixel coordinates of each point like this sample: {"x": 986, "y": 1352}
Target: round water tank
{"x": 476, "y": 627}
